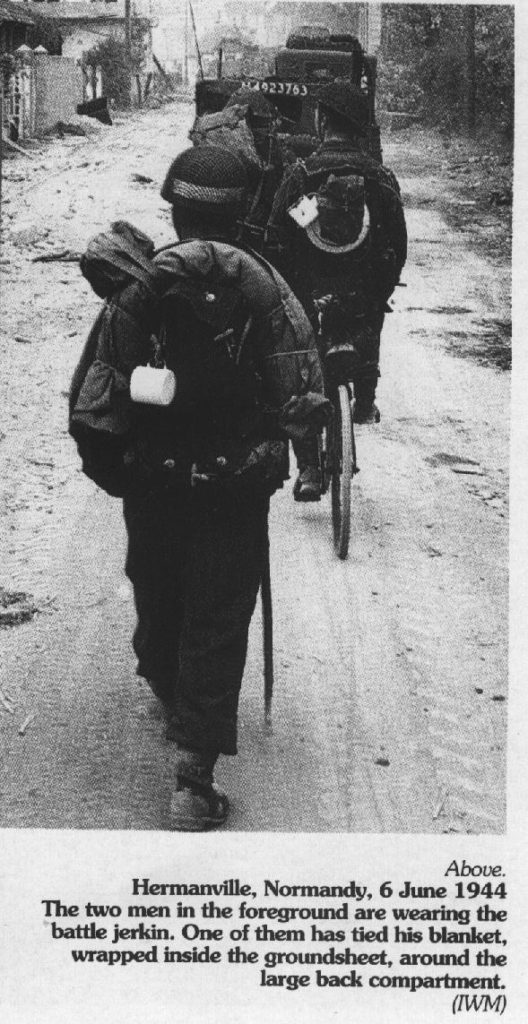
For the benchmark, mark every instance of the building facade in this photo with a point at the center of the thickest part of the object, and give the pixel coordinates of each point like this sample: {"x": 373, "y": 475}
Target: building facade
{"x": 15, "y": 24}
{"x": 82, "y": 25}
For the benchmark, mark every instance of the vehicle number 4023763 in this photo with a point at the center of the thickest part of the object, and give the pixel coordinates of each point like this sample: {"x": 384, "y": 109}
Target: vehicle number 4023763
{"x": 275, "y": 88}
{"x": 474, "y": 890}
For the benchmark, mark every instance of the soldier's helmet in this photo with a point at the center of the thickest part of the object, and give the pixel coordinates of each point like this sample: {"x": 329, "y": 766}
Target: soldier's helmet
{"x": 346, "y": 100}
{"x": 209, "y": 180}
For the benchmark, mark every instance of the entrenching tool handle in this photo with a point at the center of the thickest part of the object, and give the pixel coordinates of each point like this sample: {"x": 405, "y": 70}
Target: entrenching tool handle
{"x": 267, "y": 630}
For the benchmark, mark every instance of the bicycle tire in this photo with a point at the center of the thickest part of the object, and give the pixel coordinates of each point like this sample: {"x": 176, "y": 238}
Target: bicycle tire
{"x": 343, "y": 468}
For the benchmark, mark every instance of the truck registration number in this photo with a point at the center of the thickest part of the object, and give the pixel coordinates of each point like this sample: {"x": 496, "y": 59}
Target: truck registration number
{"x": 275, "y": 88}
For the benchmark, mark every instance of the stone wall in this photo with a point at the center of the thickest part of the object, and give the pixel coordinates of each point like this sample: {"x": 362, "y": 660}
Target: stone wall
{"x": 58, "y": 90}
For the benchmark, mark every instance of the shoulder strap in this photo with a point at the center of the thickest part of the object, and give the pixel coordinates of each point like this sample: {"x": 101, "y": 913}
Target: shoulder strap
{"x": 290, "y": 188}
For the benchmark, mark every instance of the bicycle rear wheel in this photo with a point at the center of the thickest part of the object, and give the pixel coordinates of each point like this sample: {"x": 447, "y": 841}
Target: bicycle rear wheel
{"x": 343, "y": 463}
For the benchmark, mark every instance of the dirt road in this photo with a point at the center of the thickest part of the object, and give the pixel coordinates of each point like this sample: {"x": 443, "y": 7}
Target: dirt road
{"x": 389, "y": 713}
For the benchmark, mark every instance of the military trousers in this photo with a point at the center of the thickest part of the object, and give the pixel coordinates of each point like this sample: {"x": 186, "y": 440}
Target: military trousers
{"x": 195, "y": 559}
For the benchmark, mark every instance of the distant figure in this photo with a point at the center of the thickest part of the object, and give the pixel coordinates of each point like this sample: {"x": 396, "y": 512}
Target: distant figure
{"x": 263, "y": 119}
{"x": 344, "y": 264}
{"x": 247, "y": 126}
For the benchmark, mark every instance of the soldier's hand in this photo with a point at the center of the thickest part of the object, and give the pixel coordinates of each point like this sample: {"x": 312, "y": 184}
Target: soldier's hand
{"x": 305, "y": 414}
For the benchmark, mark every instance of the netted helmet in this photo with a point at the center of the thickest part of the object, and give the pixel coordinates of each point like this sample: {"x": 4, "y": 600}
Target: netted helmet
{"x": 207, "y": 180}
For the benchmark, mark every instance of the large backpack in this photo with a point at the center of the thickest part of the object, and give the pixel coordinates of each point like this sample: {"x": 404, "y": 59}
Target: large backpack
{"x": 352, "y": 240}
{"x": 203, "y": 339}
{"x": 232, "y": 129}
{"x": 229, "y": 129}
{"x": 200, "y": 330}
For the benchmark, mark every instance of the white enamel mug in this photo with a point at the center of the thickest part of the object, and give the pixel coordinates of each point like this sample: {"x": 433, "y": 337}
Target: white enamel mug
{"x": 152, "y": 386}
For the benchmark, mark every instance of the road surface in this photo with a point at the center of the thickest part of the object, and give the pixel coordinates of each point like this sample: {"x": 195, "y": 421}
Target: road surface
{"x": 389, "y": 710}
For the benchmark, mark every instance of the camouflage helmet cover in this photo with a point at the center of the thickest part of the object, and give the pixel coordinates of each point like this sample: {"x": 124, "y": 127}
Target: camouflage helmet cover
{"x": 207, "y": 179}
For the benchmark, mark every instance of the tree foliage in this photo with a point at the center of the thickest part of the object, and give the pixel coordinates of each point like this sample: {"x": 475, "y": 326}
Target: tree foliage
{"x": 111, "y": 56}
{"x": 117, "y": 67}
{"x": 450, "y": 63}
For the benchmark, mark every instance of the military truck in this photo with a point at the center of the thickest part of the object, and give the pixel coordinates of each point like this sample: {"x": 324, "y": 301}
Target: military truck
{"x": 304, "y": 64}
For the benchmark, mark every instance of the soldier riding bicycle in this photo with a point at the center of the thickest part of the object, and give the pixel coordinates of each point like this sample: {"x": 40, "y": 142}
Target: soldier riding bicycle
{"x": 343, "y": 243}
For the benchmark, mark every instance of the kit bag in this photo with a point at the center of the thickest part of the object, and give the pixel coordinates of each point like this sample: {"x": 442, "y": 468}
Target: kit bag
{"x": 353, "y": 226}
{"x": 218, "y": 411}
{"x": 201, "y": 332}
{"x": 229, "y": 129}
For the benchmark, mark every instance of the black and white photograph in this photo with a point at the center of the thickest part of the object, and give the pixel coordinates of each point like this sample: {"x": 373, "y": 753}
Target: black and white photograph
{"x": 256, "y": 339}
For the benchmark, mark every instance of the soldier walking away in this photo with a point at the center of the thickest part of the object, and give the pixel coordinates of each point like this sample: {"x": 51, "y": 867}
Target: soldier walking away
{"x": 197, "y": 470}
{"x": 345, "y": 262}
